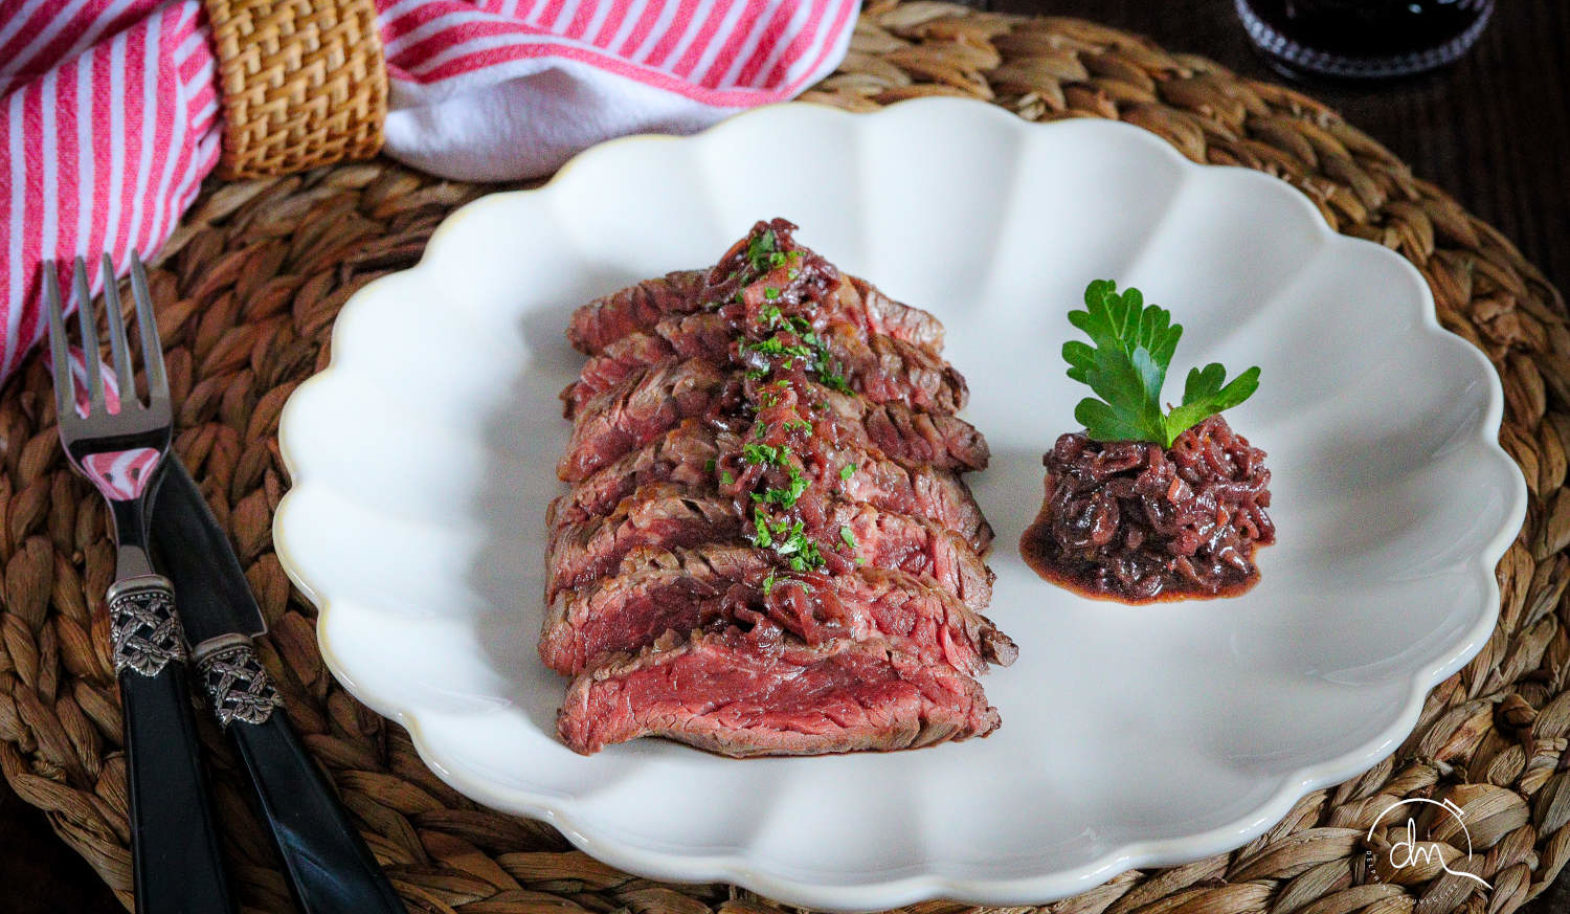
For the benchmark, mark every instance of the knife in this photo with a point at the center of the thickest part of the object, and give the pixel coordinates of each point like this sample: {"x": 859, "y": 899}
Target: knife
{"x": 329, "y": 867}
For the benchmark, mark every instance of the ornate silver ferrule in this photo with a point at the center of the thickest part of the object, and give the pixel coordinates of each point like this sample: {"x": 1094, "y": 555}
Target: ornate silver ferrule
{"x": 238, "y": 686}
{"x": 143, "y": 626}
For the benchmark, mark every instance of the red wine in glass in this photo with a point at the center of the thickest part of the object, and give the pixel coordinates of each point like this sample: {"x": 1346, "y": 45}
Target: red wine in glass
{"x": 1363, "y": 39}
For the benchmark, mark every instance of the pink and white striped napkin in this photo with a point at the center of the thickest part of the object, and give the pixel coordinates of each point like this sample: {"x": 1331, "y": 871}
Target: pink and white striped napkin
{"x": 109, "y": 115}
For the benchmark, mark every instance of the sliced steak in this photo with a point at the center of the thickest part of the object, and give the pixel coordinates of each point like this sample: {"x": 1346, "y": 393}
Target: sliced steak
{"x": 768, "y": 548}
{"x": 606, "y": 320}
{"x": 892, "y": 318}
{"x": 687, "y": 455}
{"x": 751, "y": 694}
{"x": 656, "y": 516}
{"x": 651, "y": 403}
{"x": 665, "y": 516}
{"x": 922, "y": 491}
{"x": 715, "y": 587}
{"x": 639, "y": 411}
{"x": 704, "y": 335}
{"x": 598, "y": 324}
{"x": 887, "y": 369}
{"x": 882, "y": 368}
{"x": 921, "y": 439}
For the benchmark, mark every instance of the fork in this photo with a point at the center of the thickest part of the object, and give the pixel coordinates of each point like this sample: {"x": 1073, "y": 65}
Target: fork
{"x": 174, "y": 847}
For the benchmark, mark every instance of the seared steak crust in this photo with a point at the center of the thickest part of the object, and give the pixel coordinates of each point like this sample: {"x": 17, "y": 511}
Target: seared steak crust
{"x": 598, "y": 324}
{"x": 638, "y": 307}
{"x": 882, "y": 368}
{"x": 688, "y": 454}
{"x": 655, "y": 592}
{"x": 769, "y": 694}
{"x": 661, "y": 515}
{"x": 647, "y": 405}
{"x": 895, "y": 319}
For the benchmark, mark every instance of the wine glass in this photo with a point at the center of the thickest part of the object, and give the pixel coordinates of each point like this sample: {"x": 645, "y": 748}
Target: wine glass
{"x": 1363, "y": 40}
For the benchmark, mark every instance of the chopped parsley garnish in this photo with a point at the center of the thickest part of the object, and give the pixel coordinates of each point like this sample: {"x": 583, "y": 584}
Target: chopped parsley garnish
{"x": 768, "y": 583}
{"x": 764, "y": 454}
{"x": 779, "y": 338}
{"x": 801, "y": 552}
{"x": 776, "y": 346}
{"x": 1127, "y": 367}
{"x": 760, "y": 528}
{"x": 812, "y": 348}
{"x": 848, "y": 537}
{"x": 709, "y": 465}
{"x": 788, "y": 539}
{"x": 834, "y": 381}
{"x": 786, "y": 497}
{"x": 727, "y": 479}
{"x": 847, "y": 471}
{"x": 762, "y": 250}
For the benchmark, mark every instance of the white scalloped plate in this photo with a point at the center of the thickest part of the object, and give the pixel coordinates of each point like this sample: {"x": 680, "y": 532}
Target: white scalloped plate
{"x": 422, "y": 462}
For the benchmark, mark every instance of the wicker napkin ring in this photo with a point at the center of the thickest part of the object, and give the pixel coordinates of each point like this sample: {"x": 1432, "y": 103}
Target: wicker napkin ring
{"x": 303, "y": 83}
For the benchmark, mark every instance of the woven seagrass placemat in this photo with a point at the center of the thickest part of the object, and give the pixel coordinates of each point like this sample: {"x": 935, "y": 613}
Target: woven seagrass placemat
{"x": 250, "y": 286}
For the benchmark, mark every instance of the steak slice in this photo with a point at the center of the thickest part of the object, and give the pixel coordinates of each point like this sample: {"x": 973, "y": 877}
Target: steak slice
{"x": 598, "y": 324}
{"x": 892, "y": 318}
{"x": 642, "y": 409}
{"x": 605, "y": 320}
{"x": 648, "y": 405}
{"x": 687, "y": 455}
{"x": 763, "y": 693}
{"x": 882, "y": 368}
{"x": 714, "y": 587}
{"x": 664, "y": 516}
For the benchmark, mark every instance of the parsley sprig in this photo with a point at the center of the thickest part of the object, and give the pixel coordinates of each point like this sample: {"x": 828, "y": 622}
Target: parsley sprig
{"x": 1127, "y": 367}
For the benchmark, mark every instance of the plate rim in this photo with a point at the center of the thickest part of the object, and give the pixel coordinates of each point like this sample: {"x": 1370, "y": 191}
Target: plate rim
{"x": 877, "y": 892}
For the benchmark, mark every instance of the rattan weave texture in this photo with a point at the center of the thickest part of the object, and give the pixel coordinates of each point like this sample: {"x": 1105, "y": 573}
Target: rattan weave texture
{"x": 250, "y": 285}
{"x": 302, "y": 83}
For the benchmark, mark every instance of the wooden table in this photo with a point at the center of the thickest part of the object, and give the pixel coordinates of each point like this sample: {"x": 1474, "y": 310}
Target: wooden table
{"x": 1494, "y": 131}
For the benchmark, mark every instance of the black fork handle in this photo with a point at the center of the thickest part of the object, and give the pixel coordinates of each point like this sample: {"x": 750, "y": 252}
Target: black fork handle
{"x": 178, "y": 868}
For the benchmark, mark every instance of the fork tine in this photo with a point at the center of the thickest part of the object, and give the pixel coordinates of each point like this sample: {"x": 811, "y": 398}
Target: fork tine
{"x": 147, "y": 324}
{"x": 89, "y": 324}
{"x": 119, "y": 346}
{"x": 59, "y": 348}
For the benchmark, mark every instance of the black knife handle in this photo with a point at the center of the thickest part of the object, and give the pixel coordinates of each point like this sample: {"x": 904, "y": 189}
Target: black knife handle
{"x": 178, "y": 868}
{"x": 330, "y": 869}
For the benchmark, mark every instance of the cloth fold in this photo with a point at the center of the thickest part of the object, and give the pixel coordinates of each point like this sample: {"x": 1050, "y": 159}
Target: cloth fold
{"x": 110, "y": 119}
